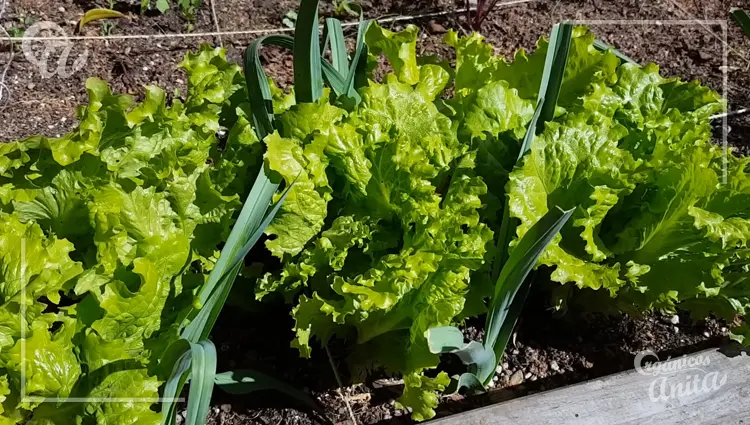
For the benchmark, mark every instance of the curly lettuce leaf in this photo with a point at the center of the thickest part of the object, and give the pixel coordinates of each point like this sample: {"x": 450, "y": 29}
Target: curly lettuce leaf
{"x": 50, "y": 365}
{"x": 302, "y": 215}
{"x": 570, "y": 165}
{"x": 399, "y": 47}
{"x": 420, "y": 393}
{"x": 477, "y": 65}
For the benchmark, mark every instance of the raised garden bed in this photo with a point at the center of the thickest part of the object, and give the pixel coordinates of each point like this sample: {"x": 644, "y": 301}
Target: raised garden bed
{"x": 550, "y": 349}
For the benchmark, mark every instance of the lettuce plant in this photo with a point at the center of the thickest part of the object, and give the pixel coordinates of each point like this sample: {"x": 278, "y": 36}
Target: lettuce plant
{"x": 382, "y": 228}
{"x": 109, "y": 233}
{"x": 663, "y": 213}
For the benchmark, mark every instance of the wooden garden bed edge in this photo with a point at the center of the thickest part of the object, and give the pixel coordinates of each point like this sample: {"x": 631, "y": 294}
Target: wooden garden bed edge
{"x": 709, "y": 386}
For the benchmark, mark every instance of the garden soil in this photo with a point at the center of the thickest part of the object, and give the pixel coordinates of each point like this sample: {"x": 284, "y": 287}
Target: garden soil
{"x": 550, "y": 349}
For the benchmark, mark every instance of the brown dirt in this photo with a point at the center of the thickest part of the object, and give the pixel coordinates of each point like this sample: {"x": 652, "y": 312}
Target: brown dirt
{"x": 549, "y": 350}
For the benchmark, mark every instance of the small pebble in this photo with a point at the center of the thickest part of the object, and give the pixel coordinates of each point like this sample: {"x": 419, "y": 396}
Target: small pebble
{"x": 145, "y": 68}
{"x": 515, "y": 351}
{"x": 675, "y": 319}
{"x": 706, "y": 334}
{"x": 226, "y": 408}
{"x": 676, "y": 330}
{"x": 723, "y": 330}
{"x": 491, "y": 384}
{"x": 499, "y": 369}
{"x": 398, "y": 413}
{"x": 31, "y": 86}
{"x": 61, "y": 9}
{"x": 437, "y": 28}
{"x": 495, "y": 378}
{"x": 528, "y": 375}
{"x": 554, "y": 366}
{"x": 505, "y": 366}
{"x": 516, "y": 378}
{"x": 533, "y": 378}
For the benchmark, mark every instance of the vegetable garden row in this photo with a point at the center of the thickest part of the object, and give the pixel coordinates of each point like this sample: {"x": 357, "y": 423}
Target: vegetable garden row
{"x": 395, "y": 208}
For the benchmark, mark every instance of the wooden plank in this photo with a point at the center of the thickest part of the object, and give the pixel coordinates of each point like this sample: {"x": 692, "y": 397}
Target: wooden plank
{"x": 716, "y": 389}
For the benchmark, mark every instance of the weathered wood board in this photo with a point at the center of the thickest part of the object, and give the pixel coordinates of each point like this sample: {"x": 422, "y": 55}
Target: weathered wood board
{"x": 708, "y": 387}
